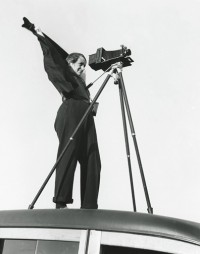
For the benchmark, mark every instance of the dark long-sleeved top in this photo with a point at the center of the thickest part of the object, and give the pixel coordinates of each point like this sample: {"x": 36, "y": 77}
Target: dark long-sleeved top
{"x": 63, "y": 77}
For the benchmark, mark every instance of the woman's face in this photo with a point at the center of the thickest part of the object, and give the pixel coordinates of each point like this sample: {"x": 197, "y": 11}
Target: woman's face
{"x": 79, "y": 66}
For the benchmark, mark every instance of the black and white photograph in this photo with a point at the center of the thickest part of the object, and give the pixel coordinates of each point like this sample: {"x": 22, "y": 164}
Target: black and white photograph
{"x": 100, "y": 120}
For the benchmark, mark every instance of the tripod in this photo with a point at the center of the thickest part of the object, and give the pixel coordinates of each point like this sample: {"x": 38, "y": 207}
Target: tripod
{"x": 115, "y": 68}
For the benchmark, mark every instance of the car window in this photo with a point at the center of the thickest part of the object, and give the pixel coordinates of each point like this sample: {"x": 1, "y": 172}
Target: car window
{"x": 39, "y": 247}
{"x": 19, "y": 247}
{"x": 124, "y": 250}
{"x": 57, "y": 247}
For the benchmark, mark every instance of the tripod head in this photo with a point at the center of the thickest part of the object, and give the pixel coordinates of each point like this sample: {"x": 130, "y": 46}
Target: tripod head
{"x": 116, "y": 68}
{"x": 104, "y": 59}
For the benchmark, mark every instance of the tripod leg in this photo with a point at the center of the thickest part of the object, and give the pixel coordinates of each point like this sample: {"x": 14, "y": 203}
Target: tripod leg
{"x": 31, "y": 206}
{"x": 127, "y": 147}
{"x": 121, "y": 82}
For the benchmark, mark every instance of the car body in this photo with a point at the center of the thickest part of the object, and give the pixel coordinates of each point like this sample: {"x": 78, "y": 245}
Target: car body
{"x": 82, "y": 231}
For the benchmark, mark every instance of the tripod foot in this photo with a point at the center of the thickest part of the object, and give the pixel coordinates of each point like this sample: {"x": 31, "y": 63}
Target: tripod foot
{"x": 31, "y": 207}
{"x": 150, "y": 210}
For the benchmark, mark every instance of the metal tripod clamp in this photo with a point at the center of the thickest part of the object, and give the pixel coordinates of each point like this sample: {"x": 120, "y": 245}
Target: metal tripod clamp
{"x": 117, "y": 68}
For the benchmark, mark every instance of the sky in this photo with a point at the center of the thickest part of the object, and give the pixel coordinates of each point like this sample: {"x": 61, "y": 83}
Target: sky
{"x": 163, "y": 89}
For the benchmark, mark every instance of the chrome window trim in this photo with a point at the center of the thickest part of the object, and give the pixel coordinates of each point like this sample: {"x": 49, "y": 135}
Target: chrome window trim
{"x": 94, "y": 242}
{"x": 73, "y": 235}
{"x": 83, "y": 242}
{"x": 148, "y": 242}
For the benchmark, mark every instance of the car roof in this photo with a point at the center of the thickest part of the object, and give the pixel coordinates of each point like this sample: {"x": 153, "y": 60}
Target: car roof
{"x": 105, "y": 220}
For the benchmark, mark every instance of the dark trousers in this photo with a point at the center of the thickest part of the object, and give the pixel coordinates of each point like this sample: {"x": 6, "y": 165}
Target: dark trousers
{"x": 83, "y": 149}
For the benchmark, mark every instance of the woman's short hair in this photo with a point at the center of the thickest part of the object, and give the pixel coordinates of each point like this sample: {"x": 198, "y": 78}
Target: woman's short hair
{"x": 73, "y": 57}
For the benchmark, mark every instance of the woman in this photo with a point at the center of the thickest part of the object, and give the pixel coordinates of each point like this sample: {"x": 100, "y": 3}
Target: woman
{"x": 66, "y": 76}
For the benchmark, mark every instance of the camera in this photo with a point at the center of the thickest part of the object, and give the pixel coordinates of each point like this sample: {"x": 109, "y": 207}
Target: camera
{"x": 104, "y": 59}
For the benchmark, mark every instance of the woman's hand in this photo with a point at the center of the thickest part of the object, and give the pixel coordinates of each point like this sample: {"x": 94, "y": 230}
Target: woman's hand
{"x": 28, "y": 25}
{"x": 31, "y": 27}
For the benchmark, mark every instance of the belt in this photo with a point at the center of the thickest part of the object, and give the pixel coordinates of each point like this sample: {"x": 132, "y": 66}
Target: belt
{"x": 95, "y": 106}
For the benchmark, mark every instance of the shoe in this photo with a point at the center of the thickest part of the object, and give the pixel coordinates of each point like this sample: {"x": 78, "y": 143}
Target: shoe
{"x": 60, "y": 206}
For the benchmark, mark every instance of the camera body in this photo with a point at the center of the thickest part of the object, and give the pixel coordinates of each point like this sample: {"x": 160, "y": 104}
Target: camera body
{"x": 104, "y": 59}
